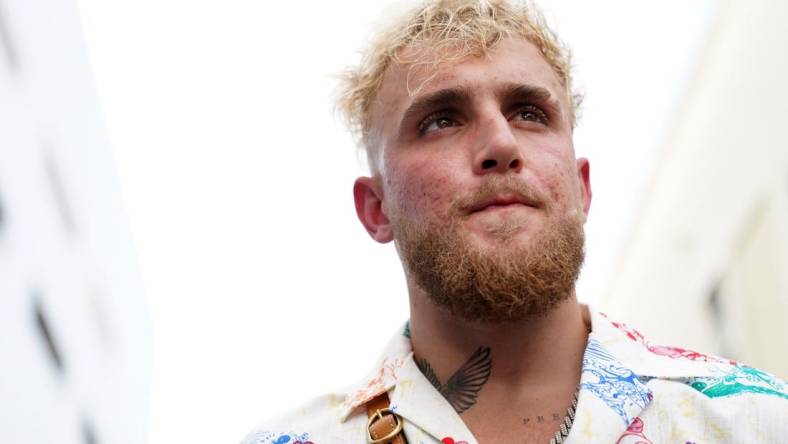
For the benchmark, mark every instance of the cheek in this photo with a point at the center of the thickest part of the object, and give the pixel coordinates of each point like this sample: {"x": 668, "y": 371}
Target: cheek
{"x": 561, "y": 183}
{"x": 559, "y": 187}
{"x": 419, "y": 191}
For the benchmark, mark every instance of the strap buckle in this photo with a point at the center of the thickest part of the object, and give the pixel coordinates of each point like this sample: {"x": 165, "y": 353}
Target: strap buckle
{"x": 379, "y": 415}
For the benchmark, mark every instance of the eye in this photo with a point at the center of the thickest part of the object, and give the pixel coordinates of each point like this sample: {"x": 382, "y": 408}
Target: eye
{"x": 436, "y": 121}
{"x": 531, "y": 113}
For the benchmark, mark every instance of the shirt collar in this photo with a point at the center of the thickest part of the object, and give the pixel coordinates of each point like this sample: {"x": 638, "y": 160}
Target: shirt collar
{"x": 610, "y": 345}
{"x": 383, "y": 376}
{"x": 413, "y": 397}
{"x": 618, "y": 364}
{"x": 647, "y": 359}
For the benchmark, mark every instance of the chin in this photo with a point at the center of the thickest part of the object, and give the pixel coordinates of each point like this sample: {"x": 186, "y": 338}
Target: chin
{"x": 504, "y": 234}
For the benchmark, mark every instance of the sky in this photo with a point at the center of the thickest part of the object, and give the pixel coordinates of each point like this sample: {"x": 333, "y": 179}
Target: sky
{"x": 237, "y": 179}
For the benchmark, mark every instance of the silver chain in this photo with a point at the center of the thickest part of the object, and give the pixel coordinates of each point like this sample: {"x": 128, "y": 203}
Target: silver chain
{"x": 566, "y": 425}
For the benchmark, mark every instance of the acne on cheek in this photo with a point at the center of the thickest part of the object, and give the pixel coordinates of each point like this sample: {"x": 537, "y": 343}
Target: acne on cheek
{"x": 425, "y": 195}
{"x": 558, "y": 186}
{"x": 565, "y": 194}
{"x": 420, "y": 190}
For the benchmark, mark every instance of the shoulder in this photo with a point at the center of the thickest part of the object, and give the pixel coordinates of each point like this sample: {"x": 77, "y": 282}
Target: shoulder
{"x": 737, "y": 404}
{"x": 713, "y": 376}
{"x": 689, "y": 394}
{"x": 729, "y": 385}
{"x": 321, "y": 420}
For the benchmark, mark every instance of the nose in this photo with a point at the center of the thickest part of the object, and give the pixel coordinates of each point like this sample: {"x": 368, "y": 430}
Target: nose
{"x": 498, "y": 151}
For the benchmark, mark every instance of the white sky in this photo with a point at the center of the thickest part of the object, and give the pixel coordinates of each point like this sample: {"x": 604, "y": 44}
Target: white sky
{"x": 237, "y": 181}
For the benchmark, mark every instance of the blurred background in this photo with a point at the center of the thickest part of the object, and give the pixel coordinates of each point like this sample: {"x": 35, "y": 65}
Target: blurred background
{"x": 179, "y": 253}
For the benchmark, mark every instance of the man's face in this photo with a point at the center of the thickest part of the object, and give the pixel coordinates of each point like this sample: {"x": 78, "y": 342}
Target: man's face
{"x": 477, "y": 174}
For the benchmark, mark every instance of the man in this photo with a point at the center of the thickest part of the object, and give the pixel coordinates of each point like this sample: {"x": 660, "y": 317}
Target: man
{"x": 466, "y": 111}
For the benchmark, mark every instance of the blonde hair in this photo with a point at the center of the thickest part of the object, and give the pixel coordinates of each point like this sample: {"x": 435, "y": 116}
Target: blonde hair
{"x": 453, "y": 30}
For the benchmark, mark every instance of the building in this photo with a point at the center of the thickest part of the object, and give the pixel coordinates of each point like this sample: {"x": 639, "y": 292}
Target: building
{"x": 75, "y": 340}
{"x": 706, "y": 264}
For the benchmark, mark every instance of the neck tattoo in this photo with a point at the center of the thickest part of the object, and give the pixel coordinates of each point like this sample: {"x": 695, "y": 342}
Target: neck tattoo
{"x": 462, "y": 388}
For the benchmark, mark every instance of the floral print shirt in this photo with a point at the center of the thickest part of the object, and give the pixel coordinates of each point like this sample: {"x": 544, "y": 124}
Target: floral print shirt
{"x": 631, "y": 391}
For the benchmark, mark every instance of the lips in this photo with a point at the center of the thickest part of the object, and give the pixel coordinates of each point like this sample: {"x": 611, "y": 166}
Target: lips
{"x": 503, "y": 201}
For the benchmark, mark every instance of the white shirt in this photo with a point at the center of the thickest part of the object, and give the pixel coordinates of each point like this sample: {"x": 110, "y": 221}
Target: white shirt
{"x": 631, "y": 391}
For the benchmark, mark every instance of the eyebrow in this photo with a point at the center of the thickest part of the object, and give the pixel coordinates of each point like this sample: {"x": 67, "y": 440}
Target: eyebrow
{"x": 435, "y": 100}
{"x": 521, "y": 91}
{"x": 509, "y": 92}
{"x": 530, "y": 93}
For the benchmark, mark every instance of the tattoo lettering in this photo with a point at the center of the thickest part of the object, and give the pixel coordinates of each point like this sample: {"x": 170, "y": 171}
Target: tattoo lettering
{"x": 555, "y": 417}
{"x": 462, "y": 388}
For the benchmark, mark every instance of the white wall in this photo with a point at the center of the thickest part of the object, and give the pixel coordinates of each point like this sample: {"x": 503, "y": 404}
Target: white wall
{"x": 67, "y": 265}
{"x": 701, "y": 225}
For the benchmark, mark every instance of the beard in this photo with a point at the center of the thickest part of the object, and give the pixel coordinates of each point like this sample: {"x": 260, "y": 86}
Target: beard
{"x": 503, "y": 283}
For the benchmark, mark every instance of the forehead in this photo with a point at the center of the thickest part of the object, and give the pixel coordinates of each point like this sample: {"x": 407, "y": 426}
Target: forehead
{"x": 513, "y": 60}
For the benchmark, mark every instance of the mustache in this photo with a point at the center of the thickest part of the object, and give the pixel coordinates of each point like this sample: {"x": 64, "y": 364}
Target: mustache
{"x": 498, "y": 186}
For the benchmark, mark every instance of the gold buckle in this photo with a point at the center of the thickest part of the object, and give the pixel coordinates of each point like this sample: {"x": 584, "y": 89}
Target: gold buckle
{"x": 379, "y": 415}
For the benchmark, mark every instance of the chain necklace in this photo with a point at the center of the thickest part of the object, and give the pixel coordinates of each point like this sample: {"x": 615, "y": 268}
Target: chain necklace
{"x": 566, "y": 425}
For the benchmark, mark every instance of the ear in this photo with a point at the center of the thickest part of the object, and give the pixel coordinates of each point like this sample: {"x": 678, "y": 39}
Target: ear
{"x": 584, "y": 182}
{"x": 368, "y": 196}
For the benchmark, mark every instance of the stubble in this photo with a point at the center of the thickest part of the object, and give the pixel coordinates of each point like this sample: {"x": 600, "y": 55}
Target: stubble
{"x": 494, "y": 284}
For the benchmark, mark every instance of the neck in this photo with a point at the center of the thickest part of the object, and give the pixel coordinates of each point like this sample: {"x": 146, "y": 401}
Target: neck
{"x": 528, "y": 359}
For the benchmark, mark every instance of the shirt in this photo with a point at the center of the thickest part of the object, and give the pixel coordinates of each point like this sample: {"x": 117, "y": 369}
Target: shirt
{"x": 631, "y": 391}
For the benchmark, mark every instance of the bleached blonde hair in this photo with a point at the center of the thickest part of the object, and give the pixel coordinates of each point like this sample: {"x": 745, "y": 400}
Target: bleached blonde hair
{"x": 453, "y": 30}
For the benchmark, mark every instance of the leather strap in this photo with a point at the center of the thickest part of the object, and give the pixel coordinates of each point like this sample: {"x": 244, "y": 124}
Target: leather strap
{"x": 382, "y": 422}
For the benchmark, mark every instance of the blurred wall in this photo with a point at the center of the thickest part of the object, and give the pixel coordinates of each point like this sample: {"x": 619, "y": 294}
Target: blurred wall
{"x": 706, "y": 265}
{"x": 75, "y": 342}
